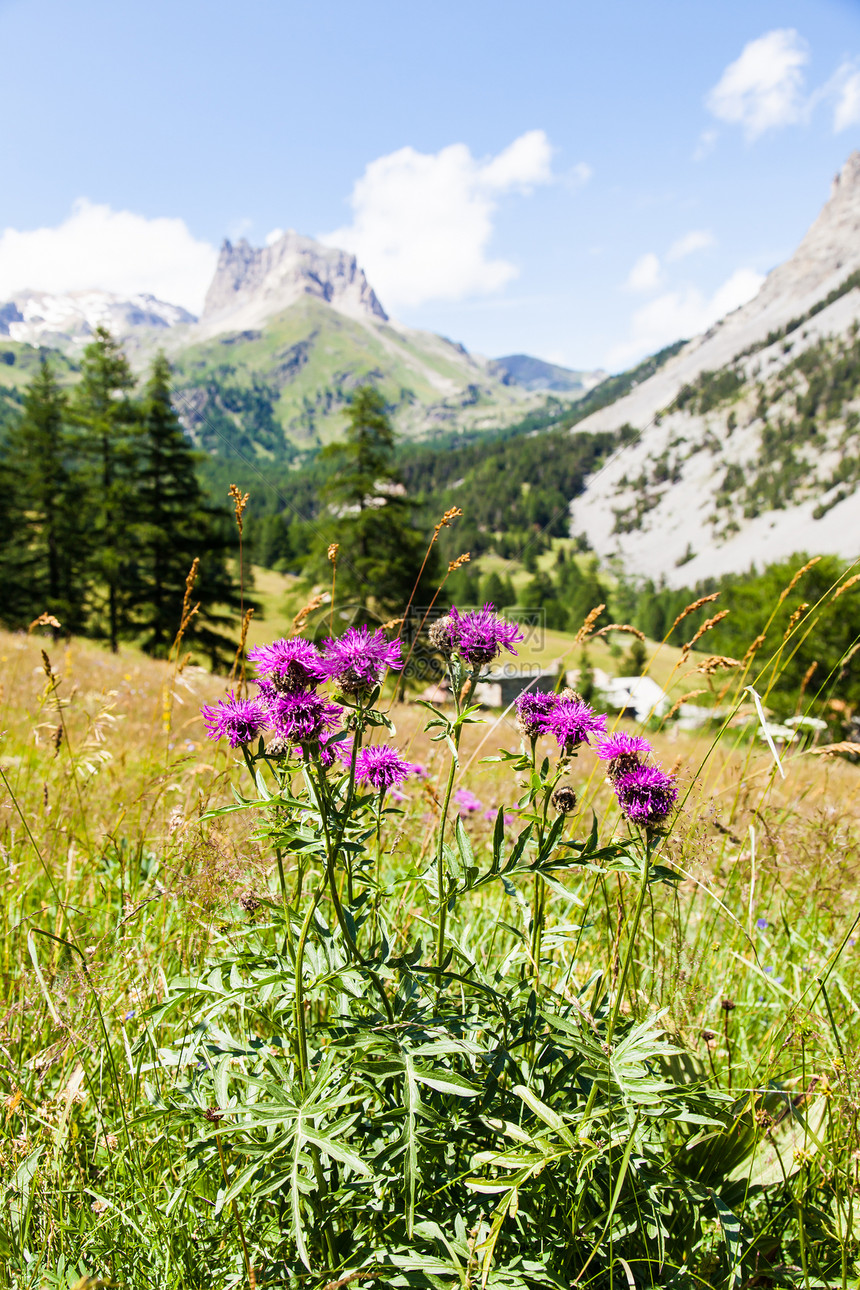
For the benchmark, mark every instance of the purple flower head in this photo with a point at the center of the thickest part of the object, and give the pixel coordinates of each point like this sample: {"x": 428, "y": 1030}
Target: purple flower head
{"x": 621, "y": 745}
{"x": 533, "y": 709}
{"x": 303, "y": 718}
{"x": 622, "y": 752}
{"x": 646, "y": 795}
{"x": 236, "y": 720}
{"x": 478, "y": 635}
{"x": 761, "y": 924}
{"x": 357, "y": 660}
{"x": 467, "y": 802}
{"x": 382, "y": 767}
{"x": 572, "y": 721}
{"x": 289, "y": 664}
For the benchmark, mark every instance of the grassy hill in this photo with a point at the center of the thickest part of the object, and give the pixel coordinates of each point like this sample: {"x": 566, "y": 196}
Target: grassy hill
{"x": 288, "y": 382}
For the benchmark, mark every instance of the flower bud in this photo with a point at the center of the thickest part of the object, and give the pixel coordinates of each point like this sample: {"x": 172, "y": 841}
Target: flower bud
{"x": 564, "y": 799}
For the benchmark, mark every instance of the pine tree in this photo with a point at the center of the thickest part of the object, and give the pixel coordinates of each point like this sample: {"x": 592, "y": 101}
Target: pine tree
{"x": 174, "y": 526}
{"x": 107, "y": 425}
{"x": 380, "y": 549}
{"x": 40, "y": 561}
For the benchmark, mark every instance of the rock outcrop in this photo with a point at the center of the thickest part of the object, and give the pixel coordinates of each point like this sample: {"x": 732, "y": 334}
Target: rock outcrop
{"x": 252, "y": 284}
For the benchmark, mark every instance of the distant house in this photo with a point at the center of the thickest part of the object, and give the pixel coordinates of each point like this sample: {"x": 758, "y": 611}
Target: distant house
{"x": 634, "y": 696}
{"x": 501, "y": 689}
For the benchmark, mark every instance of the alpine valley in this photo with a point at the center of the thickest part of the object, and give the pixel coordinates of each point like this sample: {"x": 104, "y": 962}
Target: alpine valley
{"x": 741, "y": 445}
{"x": 287, "y": 332}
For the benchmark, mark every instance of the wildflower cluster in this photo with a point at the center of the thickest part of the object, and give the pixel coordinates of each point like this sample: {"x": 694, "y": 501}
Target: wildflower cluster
{"x": 645, "y": 793}
{"x": 289, "y": 704}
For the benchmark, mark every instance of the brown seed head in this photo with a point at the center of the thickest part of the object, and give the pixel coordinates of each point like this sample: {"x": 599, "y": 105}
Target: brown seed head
{"x": 590, "y": 620}
{"x": 332, "y": 552}
{"x": 240, "y": 501}
{"x": 691, "y": 608}
{"x": 796, "y": 579}
{"x": 459, "y": 562}
{"x": 705, "y": 627}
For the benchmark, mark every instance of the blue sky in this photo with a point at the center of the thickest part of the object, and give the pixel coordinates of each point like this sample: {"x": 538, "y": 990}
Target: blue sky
{"x": 581, "y": 182}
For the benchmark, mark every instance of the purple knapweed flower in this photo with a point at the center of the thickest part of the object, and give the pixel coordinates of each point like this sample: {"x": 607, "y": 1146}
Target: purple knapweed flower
{"x": 236, "y": 720}
{"x": 467, "y": 802}
{"x": 357, "y": 660}
{"x": 303, "y": 718}
{"x": 572, "y": 721}
{"x": 480, "y": 634}
{"x": 533, "y": 709}
{"x": 622, "y": 752}
{"x": 290, "y": 665}
{"x": 382, "y": 767}
{"x": 646, "y": 794}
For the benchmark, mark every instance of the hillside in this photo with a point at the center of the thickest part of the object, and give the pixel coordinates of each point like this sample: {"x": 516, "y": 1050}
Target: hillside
{"x": 749, "y": 437}
{"x": 286, "y": 334}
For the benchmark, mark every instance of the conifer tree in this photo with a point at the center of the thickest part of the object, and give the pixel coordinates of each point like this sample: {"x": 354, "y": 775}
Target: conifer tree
{"x": 41, "y": 563}
{"x": 173, "y": 527}
{"x": 380, "y": 549}
{"x": 107, "y": 423}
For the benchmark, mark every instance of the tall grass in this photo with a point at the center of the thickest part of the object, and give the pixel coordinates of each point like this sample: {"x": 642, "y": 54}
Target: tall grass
{"x": 115, "y": 886}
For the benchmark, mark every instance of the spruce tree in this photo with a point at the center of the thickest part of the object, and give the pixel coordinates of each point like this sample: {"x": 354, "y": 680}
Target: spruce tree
{"x": 380, "y": 549}
{"x": 107, "y": 423}
{"x": 173, "y": 527}
{"x": 40, "y": 560}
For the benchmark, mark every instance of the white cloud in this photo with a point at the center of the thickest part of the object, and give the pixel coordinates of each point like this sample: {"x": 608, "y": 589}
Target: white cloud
{"x": 422, "y": 223}
{"x": 847, "y": 109}
{"x": 645, "y": 274}
{"x": 763, "y": 88}
{"x": 112, "y": 250}
{"x": 683, "y": 313}
{"x": 698, "y": 239}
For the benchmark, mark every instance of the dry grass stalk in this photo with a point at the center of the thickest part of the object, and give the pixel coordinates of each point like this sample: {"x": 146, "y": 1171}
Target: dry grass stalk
{"x": 754, "y": 648}
{"x": 459, "y": 562}
{"x": 847, "y": 659}
{"x": 807, "y": 677}
{"x": 304, "y": 614}
{"x": 691, "y": 694}
{"x": 44, "y": 620}
{"x": 187, "y": 611}
{"x": 717, "y": 663}
{"x": 850, "y": 582}
{"x": 795, "y": 619}
{"x": 833, "y": 750}
{"x": 705, "y": 627}
{"x": 697, "y": 604}
{"x": 590, "y": 620}
{"x": 391, "y": 624}
{"x": 239, "y": 660}
{"x": 786, "y": 591}
{"x": 452, "y": 513}
{"x": 622, "y": 627}
{"x": 240, "y": 501}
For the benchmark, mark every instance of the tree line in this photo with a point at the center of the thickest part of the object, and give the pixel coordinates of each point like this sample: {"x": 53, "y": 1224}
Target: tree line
{"x": 105, "y": 513}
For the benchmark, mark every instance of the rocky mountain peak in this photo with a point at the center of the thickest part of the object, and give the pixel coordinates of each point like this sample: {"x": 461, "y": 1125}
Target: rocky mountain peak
{"x": 252, "y": 284}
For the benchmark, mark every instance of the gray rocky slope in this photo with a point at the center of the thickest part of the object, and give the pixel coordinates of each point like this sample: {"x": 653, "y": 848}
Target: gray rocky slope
{"x": 761, "y": 459}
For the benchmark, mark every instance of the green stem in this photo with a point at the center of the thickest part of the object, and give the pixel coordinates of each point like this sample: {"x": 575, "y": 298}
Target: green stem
{"x": 622, "y": 980}
{"x": 301, "y": 1032}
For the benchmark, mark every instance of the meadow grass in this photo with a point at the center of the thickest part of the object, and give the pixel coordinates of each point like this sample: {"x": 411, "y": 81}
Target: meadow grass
{"x": 113, "y": 884}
